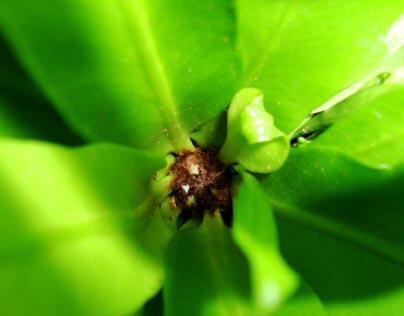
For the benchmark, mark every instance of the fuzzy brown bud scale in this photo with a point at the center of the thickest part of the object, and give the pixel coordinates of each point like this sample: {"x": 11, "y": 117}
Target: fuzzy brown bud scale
{"x": 201, "y": 183}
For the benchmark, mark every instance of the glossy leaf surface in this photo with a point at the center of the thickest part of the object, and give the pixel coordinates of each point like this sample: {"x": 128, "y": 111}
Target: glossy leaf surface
{"x": 79, "y": 231}
{"x": 141, "y": 73}
{"x": 255, "y": 232}
{"x": 252, "y": 138}
{"x": 78, "y": 234}
{"x": 301, "y": 53}
{"x": 374, "y": 133}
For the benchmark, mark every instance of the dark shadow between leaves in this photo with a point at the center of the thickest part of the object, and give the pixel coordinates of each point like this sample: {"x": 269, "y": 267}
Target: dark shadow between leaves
{"x": 25, "y": 108}
{"x": 342, "y": 226}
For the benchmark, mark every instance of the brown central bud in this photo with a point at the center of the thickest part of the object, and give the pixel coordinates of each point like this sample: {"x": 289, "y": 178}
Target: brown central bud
{"x": 201, "y": 183}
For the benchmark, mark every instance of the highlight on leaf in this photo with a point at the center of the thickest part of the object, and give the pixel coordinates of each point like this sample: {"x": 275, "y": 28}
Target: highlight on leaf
{"x": 252, "y": 139}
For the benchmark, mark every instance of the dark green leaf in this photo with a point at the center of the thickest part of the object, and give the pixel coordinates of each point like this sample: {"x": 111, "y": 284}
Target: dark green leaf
{"x": 142, "y": 73}
{"x": 340, "y": 226}
{"x": 154, "y": 307}
{"x": 24, "y": 112}
{"x": 304, "y": 303}
{"x": 333, "y": 189}
{"x": 13, "y": 77}
{"x": 349, "y": 280}
{"x": 78, "y": 231}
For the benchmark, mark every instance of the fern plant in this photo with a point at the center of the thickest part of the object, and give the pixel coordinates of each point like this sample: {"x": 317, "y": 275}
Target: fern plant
{"x": 201, "y": 157}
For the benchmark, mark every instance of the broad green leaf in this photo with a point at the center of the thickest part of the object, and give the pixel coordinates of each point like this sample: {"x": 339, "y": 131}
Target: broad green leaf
{"x": 21, "y": 117}
{"x": 304, "y": 303}
{"x": 255, "y": 232}
{"x": 252, "y": 138}
{"x": 374, "y": 133}
{"x": 13, "y": 77}
{"x": 206, "y": 274}
{"x": 78, "y": 231}
{"x": 154, "y": 307}
{"x": 141, "y": 73}
{"x": 349, "y": 280}
{"x": 340, "y": 226}
{"x": 339, "y": 106}
{"x": 301, "y": 53}
{"x": 24, "y": 112}
{"x": 323, "y": 185}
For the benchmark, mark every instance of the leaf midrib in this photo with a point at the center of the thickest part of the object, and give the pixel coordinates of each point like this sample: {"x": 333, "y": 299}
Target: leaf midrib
{"x": 344, "y": 233}
{"x": 218, "y": 278}
{"x": 137, "y": 22}
{"x": 271, "y": 40}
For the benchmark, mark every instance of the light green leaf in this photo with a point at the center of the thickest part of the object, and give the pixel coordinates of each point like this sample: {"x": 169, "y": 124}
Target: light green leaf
{"x": 304, "y": 303}
{"x": 339, "y": 106}
{"x": 340, "y": 226}
{"x": 397, "y": 76}
{"x": 255, "y": 232}
{"x": 141, "y": 73}
{"x": 78, "y": 231}
{"x": 374, "y": 133}
{"x": 206, "y": 273}
{"x": 252, "y": 137}
{"x": 301, "y": 53}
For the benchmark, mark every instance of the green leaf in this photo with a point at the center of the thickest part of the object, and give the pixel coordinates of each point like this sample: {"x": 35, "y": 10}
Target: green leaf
{"x": 154, "y": 307}
{"x": 24, "y": 112}
{"x": 301, "y": 53}
{"x": 255, "y": 232}
{"x": 33, "y": 119}
{"x": 13, "y": 77}
{"x": 141, "y": 73}
{"x": 339, "y": 106}
{"x": 322, "y": 185}
{"x": 78, "y": 231}
{"x": 206, "y": 274}
{"x": 349, "y": 280}
{"x": 212, "y": 133}
{"x": 340, "y": 226}
{"x": 397, "y": 76}
{"x": 304, "y": 303}
{"x": 374, "y": 133}
{"x": 252, "y": 137}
